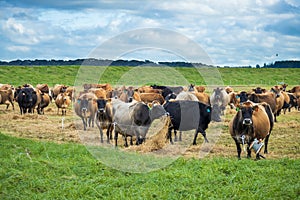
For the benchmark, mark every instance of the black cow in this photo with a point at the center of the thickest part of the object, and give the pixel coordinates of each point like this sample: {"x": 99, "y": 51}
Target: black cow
{"x": 188, "y": 115}
{"x": 26, "y": 99}
{"x": 166, "y": 90}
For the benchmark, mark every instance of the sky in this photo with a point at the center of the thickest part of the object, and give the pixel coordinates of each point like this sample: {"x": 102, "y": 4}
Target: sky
{"x": 231, "y": 33}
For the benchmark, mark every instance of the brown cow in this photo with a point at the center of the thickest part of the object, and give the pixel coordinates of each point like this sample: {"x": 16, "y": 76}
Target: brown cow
{"x": 148, "y": 89}
{"x": 57, "y": 89}
{"x": 7, "y": 97}
{"x": 63, "y": 101}
{"x": 252, "y": 121}
{"x": 295, "y": 89}
{"x": 45, "y": 101}
{"x": 280, "y": 99}
{"x": 228, "y": 89}
{"x": 106, "y": 86}
{"x": 268, "y": 97}
{"x": 86, "y": 107}
{"x": 99, "y": 92}
{"x": 150, "y": 97}
{"x": 44, "y": 88}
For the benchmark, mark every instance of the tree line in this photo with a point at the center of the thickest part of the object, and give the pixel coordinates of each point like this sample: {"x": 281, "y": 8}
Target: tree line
{"x": 134, "y": 63}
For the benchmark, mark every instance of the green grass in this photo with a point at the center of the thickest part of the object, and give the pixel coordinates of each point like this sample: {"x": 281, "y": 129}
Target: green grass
{"x": 45, "y": 170}
{"x": 18, "y": 75}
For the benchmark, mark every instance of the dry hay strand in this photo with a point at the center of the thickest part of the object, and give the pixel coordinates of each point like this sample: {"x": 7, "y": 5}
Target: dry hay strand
{"x": 156, "y": 141}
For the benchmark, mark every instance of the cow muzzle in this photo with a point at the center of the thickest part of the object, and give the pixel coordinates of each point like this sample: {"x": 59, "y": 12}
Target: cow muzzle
{"x": 101, "y": 110}
{"x": 84, "y": 110}
{"x": 247, "y": 121}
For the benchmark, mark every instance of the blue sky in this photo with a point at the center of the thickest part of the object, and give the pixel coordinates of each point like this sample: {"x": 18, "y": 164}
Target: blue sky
{"x": 232, "y": 32}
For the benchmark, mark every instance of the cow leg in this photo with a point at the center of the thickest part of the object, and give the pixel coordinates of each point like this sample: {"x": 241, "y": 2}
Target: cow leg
{"x": 116, "y": 138}
{"x": 125, "y": 140}
{"x": 204, "y": 135}
{"x": 131, "y": 142}
{"x": 84, "y": 123}
{"x": 238, "y": 148}
{"x": 180, "y": 134}
{"x": 266, "y": 144}
{"x": 175, "y": 136}
{"x": 249, "y": 151}
{"x": 100, "y": 129}
{"x": 108, "y": 131}
{"x": 170, "y": 135}
{"x": 195, "y": 137}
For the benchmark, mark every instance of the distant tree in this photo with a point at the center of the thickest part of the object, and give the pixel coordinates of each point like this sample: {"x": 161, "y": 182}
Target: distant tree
{"x": 257, "y": 66}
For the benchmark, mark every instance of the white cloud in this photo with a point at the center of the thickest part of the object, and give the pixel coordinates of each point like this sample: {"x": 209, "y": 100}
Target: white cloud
{"x": 232, "y": 32}
{"x": 18, "y": 48}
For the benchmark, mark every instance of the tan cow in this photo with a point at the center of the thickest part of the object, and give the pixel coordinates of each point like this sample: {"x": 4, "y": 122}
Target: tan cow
{"x": 86, "y": 108}
{"x": 99, "y": 92}
{"x": 62, "y": 102}
{"x": 7, "y": 97}
{"x": 150, "y": 97}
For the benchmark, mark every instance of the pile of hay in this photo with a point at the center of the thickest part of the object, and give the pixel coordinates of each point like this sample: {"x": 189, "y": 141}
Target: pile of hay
{"x": 157, "y": 136}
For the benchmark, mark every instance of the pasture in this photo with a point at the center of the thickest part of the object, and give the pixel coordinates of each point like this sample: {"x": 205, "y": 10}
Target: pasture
{"x": 40, "y": 159}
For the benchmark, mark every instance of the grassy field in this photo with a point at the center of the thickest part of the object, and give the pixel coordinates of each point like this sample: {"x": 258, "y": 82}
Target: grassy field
{"x": 45, "y": 170}
{"x": 52, "y": 75}
{"x": 40, "y": 160}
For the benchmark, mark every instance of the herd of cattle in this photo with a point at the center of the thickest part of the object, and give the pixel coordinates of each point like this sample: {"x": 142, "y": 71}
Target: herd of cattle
{"x": 129, "y": 111}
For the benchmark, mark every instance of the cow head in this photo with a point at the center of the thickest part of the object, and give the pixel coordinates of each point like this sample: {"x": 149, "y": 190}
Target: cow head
{"x": 101, "y": 104}
{"x": 246, "y": 110}
{"x": 243, "y": 96}
{"x": 276, "y": 90}
{"x": 157, "y": 111}
{"x": 83, "y": 105}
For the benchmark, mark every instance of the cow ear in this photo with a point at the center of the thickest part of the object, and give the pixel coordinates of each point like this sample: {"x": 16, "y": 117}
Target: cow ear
{"x": 255, "y": 108}
{"x": 150, "y": 105}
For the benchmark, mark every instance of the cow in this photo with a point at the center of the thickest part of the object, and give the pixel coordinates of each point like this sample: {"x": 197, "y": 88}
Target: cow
{"x": 86, "y": 108}
{"x": 186, "y": 96}
{"x": 268, "y": 97}
{"x": 259, "y": 90}
{"x": 62, "y": 101}
{"x": 26, "y": 99}
{"x": 280, "y": 99}
{"x": 292, "y": 103}
{"x": 166, "y": 90}
{"x": 188, "y": 115}
{"x": 198, "y": 91}
{"x": 7, "y": 97}
{"x": 57, "y": 89}
{"x": 295, "y": 89}
{"x": 252, "y": 121}
{"x": 219, "y": 99}
{"x": 150, "y": 97}
{"x": 148, "y": 89}
{"x": 45, "y": 101}
{"x": 44, "y": 88}
{"x": 228, "y": 89}
{"x": 106, "y": 86}
{"x": 104, "y": 118}
{"x": 99, "y": 92}
{"x": 134, "y": 119}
